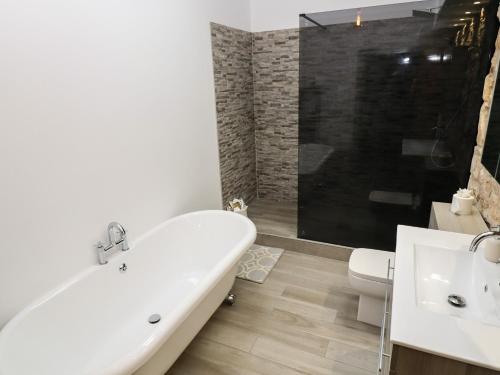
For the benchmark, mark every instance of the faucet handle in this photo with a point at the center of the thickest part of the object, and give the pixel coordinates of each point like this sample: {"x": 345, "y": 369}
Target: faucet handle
{"x": 100, "y": 253}
{"x": 101, "y": 247}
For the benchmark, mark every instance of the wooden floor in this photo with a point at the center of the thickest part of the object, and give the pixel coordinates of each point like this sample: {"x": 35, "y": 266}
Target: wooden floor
{"x": 302, "y": 320}
{"x": 276, "y": 218}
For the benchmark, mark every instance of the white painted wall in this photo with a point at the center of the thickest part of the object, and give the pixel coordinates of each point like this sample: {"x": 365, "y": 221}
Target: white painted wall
{"x": 106, "y": 113}
{"x": 284, "y": 14}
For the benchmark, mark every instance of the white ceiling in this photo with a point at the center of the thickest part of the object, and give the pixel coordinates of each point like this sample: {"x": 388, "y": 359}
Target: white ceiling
{"x": 283, "y": 14}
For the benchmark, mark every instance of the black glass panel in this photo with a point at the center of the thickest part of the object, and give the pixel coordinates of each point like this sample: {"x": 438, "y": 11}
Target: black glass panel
{"x": 389, "y": 106}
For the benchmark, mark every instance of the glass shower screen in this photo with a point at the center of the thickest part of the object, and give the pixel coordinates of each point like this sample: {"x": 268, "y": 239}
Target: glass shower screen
{"x": 389, "y": 101}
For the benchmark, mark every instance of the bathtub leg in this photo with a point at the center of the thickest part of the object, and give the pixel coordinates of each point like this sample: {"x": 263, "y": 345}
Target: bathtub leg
{"x": 230, "y": 299}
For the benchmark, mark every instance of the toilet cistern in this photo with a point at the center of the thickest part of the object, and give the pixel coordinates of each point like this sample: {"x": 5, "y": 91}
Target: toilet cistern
{"x": 114, "y": 229}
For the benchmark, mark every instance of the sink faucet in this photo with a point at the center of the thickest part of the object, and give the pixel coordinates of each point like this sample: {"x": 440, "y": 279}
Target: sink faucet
{"x": 494, "y": 231}
{"x": 114, "y": 228}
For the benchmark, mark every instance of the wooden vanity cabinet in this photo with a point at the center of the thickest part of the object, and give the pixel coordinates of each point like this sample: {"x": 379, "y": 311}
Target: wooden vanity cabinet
{"x": 406, "y": 361}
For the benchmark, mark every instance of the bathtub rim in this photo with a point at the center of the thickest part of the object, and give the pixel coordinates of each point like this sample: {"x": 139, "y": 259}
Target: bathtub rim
{"x": 132, "y": 361}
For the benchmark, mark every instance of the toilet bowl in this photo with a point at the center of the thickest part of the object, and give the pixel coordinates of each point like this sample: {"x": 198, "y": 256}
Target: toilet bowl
{"x": 368, "y": 275}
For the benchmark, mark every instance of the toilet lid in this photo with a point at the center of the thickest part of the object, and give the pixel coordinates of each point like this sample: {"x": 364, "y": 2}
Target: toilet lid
{"x": 371, "y": 264}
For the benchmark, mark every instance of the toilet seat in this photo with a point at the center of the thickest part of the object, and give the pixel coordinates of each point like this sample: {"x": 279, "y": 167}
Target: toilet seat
{"x": 371, "y": 265}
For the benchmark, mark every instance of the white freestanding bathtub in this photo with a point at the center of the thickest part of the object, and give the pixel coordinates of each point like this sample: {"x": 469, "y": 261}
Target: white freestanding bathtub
{"x": 98, "y": 323}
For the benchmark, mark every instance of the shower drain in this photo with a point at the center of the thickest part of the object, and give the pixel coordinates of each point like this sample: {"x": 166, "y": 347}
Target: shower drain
{"x": 456, "y": 300}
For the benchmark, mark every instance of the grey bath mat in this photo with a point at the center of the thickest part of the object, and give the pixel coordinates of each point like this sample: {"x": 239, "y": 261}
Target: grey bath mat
{"x": 258, "y": 262}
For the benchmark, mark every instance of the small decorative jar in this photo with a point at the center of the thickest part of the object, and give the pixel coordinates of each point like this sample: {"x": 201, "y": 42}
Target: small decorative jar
{"x": 462, "y": 202}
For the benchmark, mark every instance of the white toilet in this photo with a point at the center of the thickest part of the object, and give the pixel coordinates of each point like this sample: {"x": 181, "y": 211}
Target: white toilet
{"x": 368, "y": 275}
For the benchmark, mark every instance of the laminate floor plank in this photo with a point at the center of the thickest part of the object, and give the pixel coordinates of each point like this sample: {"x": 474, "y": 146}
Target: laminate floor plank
{"x": 229, "y": 359}
{"x": 189, "y": 364}
{"x": 254, "y": 299}
{"x": 320, "y": 281}
{"x": 302, "y": 361}
{"x": 306, "y": 261}
{"x": 269, "y": 325}
{"x": 229, "y": 334}
{"x": 346, "y": 304}
{"x": 353, "y": 355}
{"x": 302, "y": 320}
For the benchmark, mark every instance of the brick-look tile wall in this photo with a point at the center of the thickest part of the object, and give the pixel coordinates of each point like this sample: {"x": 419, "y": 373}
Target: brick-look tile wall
{"x": 257, "y": 90}
{"x": 486, "y": 188}
{"x": 276, "y": 103}
{"x": 232, "y": 56}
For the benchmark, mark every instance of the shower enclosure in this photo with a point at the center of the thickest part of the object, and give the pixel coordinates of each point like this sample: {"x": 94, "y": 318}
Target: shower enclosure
{"x": 389, "y": 101}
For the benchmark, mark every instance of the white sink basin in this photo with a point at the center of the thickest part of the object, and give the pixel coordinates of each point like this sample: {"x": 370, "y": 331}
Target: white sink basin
{"x": 441, "y": 272}
{"x": 430, "y": 266}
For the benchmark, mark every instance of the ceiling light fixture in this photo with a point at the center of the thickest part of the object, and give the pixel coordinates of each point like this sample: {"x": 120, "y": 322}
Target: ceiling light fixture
{"x": 467, "y": 12}
{"x": 358, "y": 18}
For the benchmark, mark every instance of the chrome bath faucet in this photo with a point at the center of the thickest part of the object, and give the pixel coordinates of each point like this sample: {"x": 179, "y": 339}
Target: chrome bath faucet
{"x": 114, "y": 229}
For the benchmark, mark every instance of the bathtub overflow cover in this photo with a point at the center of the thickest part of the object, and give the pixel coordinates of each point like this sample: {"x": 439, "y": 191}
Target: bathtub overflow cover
{"x": 155, "y": 318}
{"x": 456, "y": 300}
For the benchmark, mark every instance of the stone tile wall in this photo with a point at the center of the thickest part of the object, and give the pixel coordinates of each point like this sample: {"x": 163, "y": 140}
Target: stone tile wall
{"x": 276, "y": 109}
{"x": 232, "y": 56}
{"x": 257, "y": 89}
{"x": 486, "y": 188}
